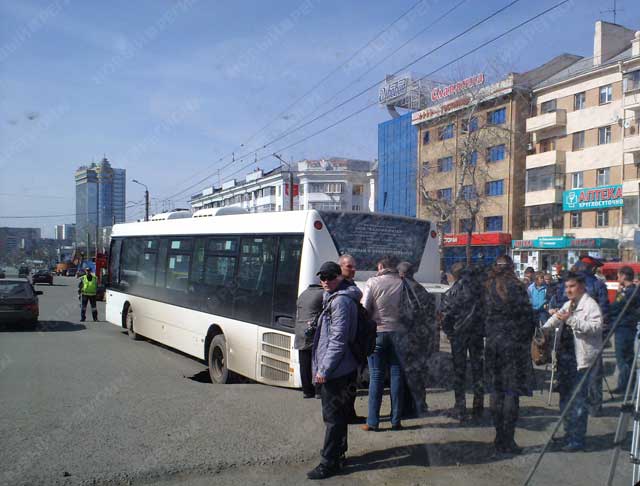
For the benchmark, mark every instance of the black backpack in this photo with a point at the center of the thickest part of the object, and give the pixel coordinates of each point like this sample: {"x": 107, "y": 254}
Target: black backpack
{"x": 364, "y": 342}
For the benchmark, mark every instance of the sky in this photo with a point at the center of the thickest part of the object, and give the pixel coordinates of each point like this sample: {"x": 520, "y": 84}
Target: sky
{"x": 169, "y": 90}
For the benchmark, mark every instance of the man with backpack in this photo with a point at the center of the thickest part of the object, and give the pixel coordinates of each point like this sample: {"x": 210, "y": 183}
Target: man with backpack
{"x": 335, "y": 365}
{"x": 463, "y": 323}
{"x": 382, "y": 298}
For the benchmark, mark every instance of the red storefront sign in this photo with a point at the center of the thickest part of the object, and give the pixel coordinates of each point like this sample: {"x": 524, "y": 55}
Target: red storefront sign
{"x": 478, "y": 239}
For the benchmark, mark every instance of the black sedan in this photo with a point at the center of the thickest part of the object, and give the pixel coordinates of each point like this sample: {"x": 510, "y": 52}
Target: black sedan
{"x": 42, "y": 276}
{"x": 18, "y": 302}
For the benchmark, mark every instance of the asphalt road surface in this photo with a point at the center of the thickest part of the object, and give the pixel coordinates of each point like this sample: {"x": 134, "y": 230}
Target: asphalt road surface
{"x": 81, "y": 403}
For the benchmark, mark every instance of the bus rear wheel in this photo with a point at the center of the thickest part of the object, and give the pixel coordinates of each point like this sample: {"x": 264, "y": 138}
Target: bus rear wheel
{"x": 129, "y": 320}
{"x": 217, "y": 360}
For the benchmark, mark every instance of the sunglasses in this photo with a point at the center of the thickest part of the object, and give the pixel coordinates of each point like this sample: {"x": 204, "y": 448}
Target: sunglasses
{"x": 327, "y": 278}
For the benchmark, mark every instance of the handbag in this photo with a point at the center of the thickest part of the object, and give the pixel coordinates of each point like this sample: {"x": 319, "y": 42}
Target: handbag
{"x": 540, "y": 350}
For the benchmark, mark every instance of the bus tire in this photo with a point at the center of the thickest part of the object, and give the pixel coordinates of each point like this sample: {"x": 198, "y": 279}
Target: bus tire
{"x": 129, "y": 320}
{"x": 217, "y": 360}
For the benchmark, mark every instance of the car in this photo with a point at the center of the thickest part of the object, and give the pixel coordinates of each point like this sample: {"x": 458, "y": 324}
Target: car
{"x": 42, "y": 276}
{"x": 23, "y": 271}
{"x": 18, "y": 302}
{"x": 2, "y": 273}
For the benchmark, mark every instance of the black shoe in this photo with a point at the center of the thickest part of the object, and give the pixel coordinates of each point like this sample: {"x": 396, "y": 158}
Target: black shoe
{"x": 573, "y": 447}
{"x": 95, "y": 320}
{"x": 309, "y": 395}
{"x": 82, "y": 320}
{"x": 356, "y": 419}
{"x": 397, "y": 427}
{"x": 512, "y": 448}
{"x": 323, "y": 471}
{"x": 477, "y": 414}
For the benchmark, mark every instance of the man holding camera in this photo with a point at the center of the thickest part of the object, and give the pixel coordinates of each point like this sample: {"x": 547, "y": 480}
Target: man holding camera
{"x": 334, "y": 365}
{"x": 579, "y": 323}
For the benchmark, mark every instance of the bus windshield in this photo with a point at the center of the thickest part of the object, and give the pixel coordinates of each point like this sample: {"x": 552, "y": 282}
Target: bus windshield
{"x": 369, "y": 237}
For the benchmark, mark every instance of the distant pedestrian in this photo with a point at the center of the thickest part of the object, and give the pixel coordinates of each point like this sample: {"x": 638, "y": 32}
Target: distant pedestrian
{"x": 348, "y": 268}
{"x": 416, "y": 339}
{"x": 463, "y": 323}
{"x": 626, "y": 329}
{"x": 529, "y": 275}
{"x": 309, "y": 306}
{"x": 335, "y": 366}
{"x": 88, "y": 289}
{"x": 539, "y": 294}
{"x": 579, "y": 324}
{"x": 509, "y": 328}
{"x": 382, "y": 298}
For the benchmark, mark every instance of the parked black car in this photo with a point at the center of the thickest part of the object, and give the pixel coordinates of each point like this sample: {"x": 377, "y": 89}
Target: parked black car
{"x": 18, "y": 302}
{"x": 42, "y": 276}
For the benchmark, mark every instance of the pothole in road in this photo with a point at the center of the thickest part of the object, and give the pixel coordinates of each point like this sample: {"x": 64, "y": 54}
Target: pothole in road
{"x": 202, "y": 377}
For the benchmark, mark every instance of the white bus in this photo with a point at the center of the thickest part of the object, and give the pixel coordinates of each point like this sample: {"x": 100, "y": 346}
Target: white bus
{"x": 223, "y": 288}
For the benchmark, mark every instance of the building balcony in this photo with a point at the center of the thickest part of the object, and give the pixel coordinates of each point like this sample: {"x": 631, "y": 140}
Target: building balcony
{"x": 545, "y": 121}
{"x": 551, "y": 157}
{"x": 632, "y": 100}
{"x": 631, "y": 141}
{"x": 547, "y": 196}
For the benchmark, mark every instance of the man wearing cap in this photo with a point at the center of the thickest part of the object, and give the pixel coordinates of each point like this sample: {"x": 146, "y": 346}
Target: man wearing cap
{"x": 334, "y": 366}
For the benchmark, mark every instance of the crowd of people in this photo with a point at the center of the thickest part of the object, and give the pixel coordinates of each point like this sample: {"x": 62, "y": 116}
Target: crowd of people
{"x": 489, "y": 317}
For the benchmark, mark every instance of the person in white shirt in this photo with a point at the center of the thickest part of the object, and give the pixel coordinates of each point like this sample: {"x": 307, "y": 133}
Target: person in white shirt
{"x": 579, "y": 323}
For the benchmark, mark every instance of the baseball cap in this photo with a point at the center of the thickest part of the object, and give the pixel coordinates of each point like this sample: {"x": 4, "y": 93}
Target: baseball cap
{"x": 591, "y": 261}
{"x": 329, "y": 269}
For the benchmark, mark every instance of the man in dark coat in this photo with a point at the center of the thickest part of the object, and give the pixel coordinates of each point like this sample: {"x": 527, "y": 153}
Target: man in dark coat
{"x": 309, "y": 307}
{"x": 509, "y": 328}
{"x": 462, "y": 322}
{"x": 416, "y": 342}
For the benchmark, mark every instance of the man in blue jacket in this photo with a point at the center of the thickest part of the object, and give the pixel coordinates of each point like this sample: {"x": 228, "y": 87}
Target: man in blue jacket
{"x": 539, "y": 296}
{"x": 334, "y": 366}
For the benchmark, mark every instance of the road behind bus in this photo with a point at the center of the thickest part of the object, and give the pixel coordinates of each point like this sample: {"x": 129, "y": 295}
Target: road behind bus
{"x": 84, "y": 404}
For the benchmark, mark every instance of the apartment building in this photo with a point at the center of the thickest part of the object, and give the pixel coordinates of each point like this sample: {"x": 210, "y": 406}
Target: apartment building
{"x": 582, "y": 165}
{"x": 328, "y": 184}
{"x": 484, "y": 124}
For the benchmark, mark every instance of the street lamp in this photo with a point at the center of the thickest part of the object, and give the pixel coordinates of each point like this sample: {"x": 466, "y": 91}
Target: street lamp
{"x": 146, "y": 199}
{"x": 290, "y": 180}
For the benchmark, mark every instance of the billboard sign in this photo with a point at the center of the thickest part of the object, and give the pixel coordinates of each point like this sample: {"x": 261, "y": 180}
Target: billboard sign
{"x": 394, "y": 89}
{"x": 442, "y": 92}
{"x": 603, "y": 197}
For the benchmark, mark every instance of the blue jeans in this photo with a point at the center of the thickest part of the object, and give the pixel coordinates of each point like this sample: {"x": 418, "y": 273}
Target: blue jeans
{"x": 385, "y": 355}
{"x": 575, "y": 422}
{"x": 624, "y": 354}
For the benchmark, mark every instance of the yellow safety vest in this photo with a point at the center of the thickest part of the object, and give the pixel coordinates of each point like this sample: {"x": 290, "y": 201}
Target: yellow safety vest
{"x": 89, "y": 287}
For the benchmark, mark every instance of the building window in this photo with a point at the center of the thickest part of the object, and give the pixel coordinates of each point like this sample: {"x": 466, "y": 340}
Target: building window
{"x": 631, "y": 81}
{"x": 466, "y": 224}
{"x": 496, "y": 153}
{"x": 579, "y": 100}
{"x": 278, "y": 190}
{"x": 543, "y": 178}
{"x": 547, "y": 145}
{"x": 326, "y": 187}
{"x": 358, "y": 190}
{"x": 577, "y": 180}
{"x": 445, "y": 164}
{"x": 426, "y": 138}
{"x": 578, "y": 140}
{"x": 602, "y": 218}
{"x": 497, "y": 117}
{"x": 604, "y": 135}
{"x": 468, "y": 192}
{"x": 545, "y": 216}
{"x": 493, "y": 223}
{"x": 576, "y": 219}
{"x": 548, "y": 106}
{"x": 470, "y": 126}
{"x": 630, "y": 209}
{"x": 445, "y": 194}
{"x": 473, "y": 158}
{"x": 445, "y": 132}
{"x": 494, "y": 188}
{"x": 301, "y": 189}
{"x": 606, "y": 94}
{"x": 425, "y": 169}
{"x": 602, "y": 176}
{"x": 355, "y": 207}
{"x": 446, "y": 227}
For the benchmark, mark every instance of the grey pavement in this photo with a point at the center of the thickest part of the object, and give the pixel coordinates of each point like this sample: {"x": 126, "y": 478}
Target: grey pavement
{"x": 83, "y": 404}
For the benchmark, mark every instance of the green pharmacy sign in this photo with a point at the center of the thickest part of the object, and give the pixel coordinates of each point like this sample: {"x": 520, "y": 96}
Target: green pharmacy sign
{"x": 603, "y": 197}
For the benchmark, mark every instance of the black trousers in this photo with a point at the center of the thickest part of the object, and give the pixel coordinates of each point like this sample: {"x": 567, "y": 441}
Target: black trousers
{"x": 474, "y": 346}
{"x": 306, "y": 374}
{"x": 336, "y": 410}
{"x": 83, "y": 308}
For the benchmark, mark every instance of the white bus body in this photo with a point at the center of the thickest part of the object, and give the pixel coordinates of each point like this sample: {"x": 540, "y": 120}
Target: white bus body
{"x": 183, "y": 282}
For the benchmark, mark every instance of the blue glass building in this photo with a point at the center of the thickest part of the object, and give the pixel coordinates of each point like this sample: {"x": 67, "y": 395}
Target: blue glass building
{"x": 397, "y": 166}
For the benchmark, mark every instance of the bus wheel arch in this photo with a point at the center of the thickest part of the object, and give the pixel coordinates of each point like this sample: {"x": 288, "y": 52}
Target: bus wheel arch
{"x": 216, "y": 355}
{"x": 128, "y": 322}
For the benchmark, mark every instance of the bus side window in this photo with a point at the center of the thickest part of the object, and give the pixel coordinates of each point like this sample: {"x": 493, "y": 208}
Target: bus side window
{"x": 253, "y": 300}
{"x": 114, "y": 264}
{"x": 161, "y": 271}
{"x": 287, "y": 276}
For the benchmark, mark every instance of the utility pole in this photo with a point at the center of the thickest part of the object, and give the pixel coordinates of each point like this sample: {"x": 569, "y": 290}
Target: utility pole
{"x": 290, "y": 180}
{"x": 146, "y": 199}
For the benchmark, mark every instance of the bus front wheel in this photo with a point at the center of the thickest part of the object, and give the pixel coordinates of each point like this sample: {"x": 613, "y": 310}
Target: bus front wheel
{"x": 129, "y": 321}
{"x": 217, "y": 360}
